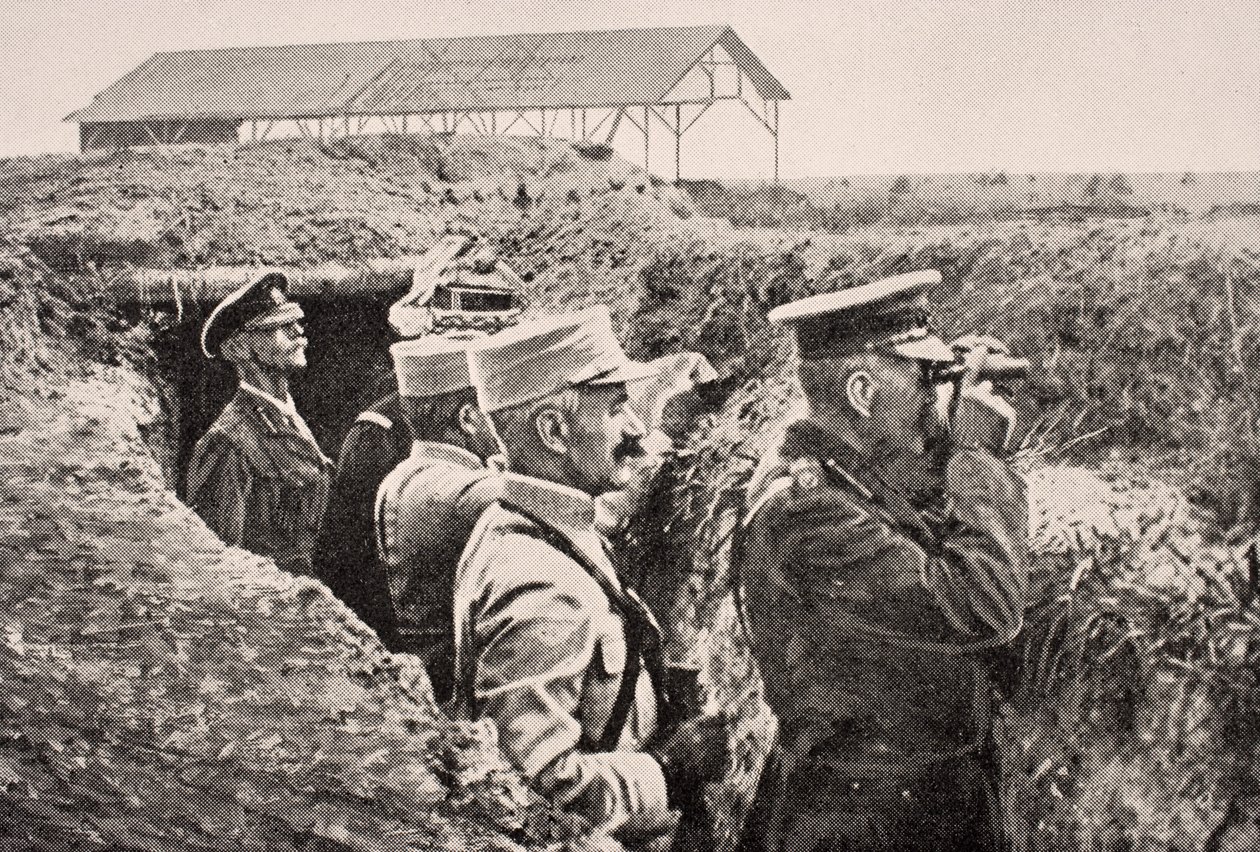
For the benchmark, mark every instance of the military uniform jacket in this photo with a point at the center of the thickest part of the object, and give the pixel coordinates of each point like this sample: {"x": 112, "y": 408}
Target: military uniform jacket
{"x": 346, "y": 557}
{"x": 869, "y": 618}
{"x": 425, "y": 513}
{"x": 541, "y": 649}
{"x": 258, "y": 479}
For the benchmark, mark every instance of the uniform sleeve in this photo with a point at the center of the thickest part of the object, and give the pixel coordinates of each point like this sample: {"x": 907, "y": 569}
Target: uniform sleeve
{"x": 981, "y": 578}
{"x": 536, "y": 644}
{"x": 970, "y": 587}
{"x": 219, "y": 483}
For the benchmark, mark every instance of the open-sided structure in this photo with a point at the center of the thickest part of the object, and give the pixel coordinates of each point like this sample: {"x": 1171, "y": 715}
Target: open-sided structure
{"x": 583, "y": 85}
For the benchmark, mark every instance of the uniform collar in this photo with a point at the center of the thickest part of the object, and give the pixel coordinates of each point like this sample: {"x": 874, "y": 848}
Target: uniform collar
{"x": 291, "y": 423}
{"x": 286, "y": 407}
{"x": 448, "y": 453}
{"x": 559, "y": 506}
{"x": 567, "y": 511}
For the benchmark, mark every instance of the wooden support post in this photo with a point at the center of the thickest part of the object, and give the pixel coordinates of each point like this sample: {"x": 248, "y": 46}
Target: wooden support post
{"x": 776, "y": 142}
{"x": 647, "y": 140}
{"x": 677, "y": 143}
{"x": 612, "y": 130}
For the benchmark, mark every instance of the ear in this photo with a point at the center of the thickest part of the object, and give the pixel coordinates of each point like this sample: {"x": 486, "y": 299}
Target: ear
{"x": 467, "y": 419}
{"x": 859, "y": 389}
{"x": 553, "y": 429}
{"x": 236, "y": 348}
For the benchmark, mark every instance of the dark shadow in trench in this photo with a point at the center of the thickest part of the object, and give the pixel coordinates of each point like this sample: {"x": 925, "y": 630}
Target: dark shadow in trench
{"x": 348, "y": 368}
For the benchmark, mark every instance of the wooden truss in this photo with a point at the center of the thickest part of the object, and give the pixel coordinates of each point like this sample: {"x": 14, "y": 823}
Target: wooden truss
{"x": 675, "y": 115}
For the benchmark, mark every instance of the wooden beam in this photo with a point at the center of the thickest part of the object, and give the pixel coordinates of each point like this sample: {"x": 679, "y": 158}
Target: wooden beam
{"x": 158, "y": 287}
{"x": 647, "y": 139}
{"x": 612, "y": 131}
{"x": 760, "y": 119}
{"x": 703, "y": 109}
{"x": 677, "y": 143}
{"x": 776, "y": 141}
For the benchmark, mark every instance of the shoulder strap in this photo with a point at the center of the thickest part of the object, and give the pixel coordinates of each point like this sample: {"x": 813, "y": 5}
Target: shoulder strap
{"x": 638, "y": 630}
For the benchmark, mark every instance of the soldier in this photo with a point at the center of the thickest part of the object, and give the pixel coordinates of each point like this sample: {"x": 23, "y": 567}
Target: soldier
{"x": 257, "y": 477}
{"x": 427, "y": 507}
{"x": 870, "y": 613}
{"x": 346, "y": 558}
{"x": 550, "y": 644}
{"x": 379, "y": 439}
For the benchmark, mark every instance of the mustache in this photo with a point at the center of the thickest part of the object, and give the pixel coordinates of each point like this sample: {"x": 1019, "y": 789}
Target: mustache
{"x": 628, "y": 448}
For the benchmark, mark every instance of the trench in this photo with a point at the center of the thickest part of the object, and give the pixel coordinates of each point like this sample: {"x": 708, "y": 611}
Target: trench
{"x": 1102, "y": 759}
{"x": 348, "y": 368}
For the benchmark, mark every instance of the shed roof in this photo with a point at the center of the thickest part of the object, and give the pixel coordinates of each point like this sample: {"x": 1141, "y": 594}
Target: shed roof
{"x": 476, "y": 73}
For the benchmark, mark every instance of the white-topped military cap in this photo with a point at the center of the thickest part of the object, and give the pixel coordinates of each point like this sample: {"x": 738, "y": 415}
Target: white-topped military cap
{"x": 261, "y": 304}
{"x": 891, "y": 316}
{"x": 432, "y": 366}
{"x": 537, "y": 359}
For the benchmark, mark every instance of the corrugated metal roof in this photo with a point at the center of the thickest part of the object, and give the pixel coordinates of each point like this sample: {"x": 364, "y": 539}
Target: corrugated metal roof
{"x": 505, "y": 72}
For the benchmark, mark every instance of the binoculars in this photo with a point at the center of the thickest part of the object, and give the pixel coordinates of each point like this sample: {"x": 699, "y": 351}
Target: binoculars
{"x": 997, "y": 367}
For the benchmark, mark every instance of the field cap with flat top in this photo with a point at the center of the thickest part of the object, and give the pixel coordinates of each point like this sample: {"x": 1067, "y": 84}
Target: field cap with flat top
{"x": 889, "y": 316}
{"x": 262, "y": 304}
{"x": 432, "y": 366}
{"x": 537, "y": 359}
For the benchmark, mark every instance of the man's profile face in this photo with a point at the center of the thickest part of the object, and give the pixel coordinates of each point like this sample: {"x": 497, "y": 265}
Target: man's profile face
{"x": 604, "y": 436}
{"x": 282, "y": 349}
{"x": 904, "y": 415}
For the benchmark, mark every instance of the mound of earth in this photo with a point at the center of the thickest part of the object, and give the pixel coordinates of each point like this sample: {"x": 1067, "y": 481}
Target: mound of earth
{"x": 160, "y": 691}
{"x": 297, "y": 202}
{"x": 138, "y": 648}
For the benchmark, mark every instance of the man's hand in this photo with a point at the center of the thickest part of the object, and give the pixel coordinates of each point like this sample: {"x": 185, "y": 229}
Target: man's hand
{"x": 676, "y": 375}
{"x": 696, "y": 754}
{"x": 982, "y": 418}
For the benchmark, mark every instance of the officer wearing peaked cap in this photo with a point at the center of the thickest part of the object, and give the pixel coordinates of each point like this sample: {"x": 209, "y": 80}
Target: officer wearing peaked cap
{"x": 550, "y": 642}
{"x": 426, "y": 508}
{"x": 257, "y": 477}
{"x": 872, "y": 602}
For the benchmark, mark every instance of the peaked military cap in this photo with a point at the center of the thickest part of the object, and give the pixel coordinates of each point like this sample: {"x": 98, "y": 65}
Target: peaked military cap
{"x": 261, "y": 304}
{"x": 537, "y": 359}
{"x": 891, "y": 316}
{"x": 432, "y": 366}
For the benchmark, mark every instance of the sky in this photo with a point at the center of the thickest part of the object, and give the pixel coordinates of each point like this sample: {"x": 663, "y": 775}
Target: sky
{"x": 878, "y": 87}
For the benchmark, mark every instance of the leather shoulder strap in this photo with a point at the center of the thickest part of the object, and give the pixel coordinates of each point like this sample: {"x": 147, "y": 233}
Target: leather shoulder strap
{"x": 635, "y": 626}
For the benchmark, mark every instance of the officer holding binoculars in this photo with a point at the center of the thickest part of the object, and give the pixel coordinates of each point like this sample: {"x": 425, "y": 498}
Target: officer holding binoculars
{"x": 871, "y": 607}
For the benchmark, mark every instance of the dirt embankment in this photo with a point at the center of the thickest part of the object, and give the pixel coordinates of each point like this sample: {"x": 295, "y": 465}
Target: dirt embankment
{"x": 161, "y": 691}
{"x": 1147, "y": 608}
